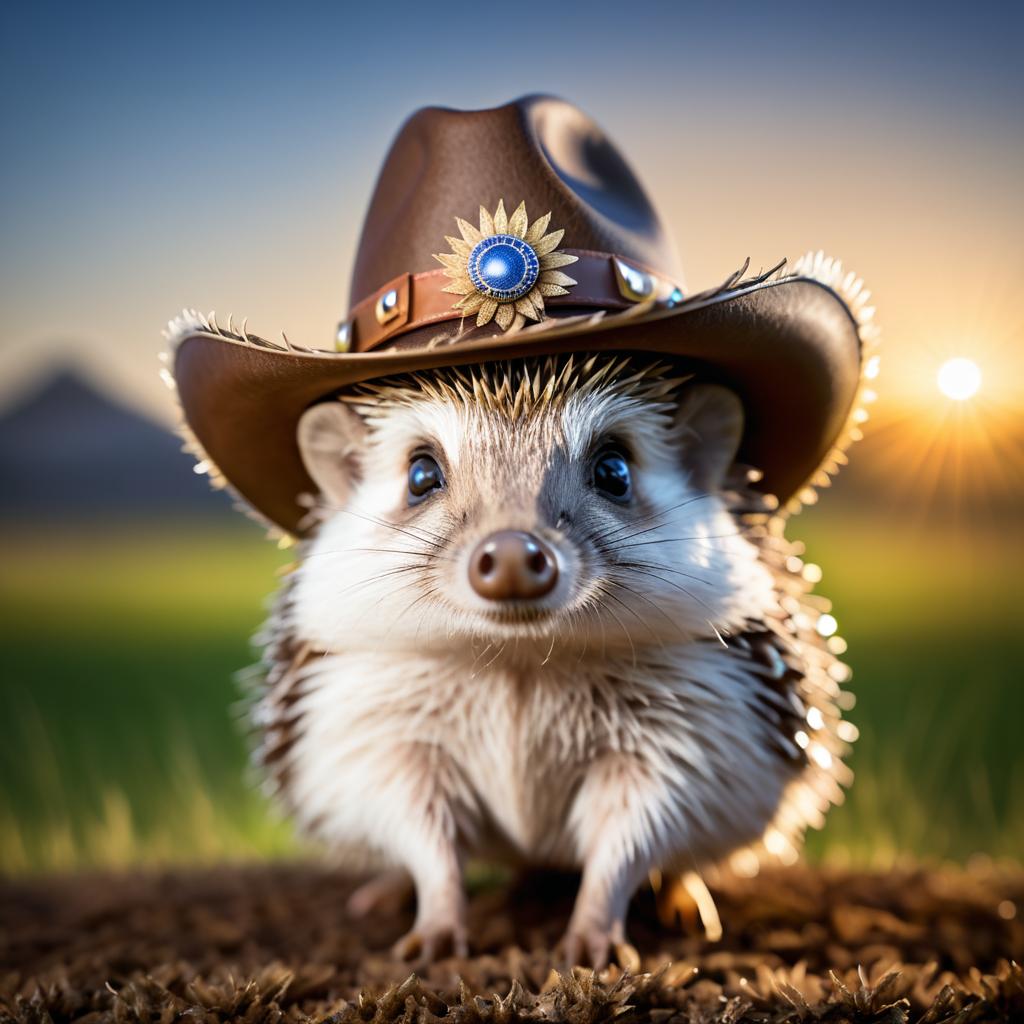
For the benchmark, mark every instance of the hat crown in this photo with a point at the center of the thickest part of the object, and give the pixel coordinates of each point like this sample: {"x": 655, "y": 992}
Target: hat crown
{"x": 541, "y": 150}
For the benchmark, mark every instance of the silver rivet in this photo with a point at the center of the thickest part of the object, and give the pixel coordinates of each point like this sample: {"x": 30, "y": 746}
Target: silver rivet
{"x": 634, "y": 284}
{"x": 387, "y": 306}
{"x": 343, "y": 337}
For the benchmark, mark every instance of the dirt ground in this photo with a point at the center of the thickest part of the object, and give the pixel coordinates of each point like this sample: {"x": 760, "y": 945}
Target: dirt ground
{"x": 273, "y": 943}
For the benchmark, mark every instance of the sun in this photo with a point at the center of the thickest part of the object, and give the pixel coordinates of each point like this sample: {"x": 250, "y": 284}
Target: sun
{"x": 959, "y": 379}
{"x": 505, "y": 268}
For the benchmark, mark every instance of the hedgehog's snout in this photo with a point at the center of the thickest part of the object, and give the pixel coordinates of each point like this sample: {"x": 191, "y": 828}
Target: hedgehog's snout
{"x": 512, "y": 565}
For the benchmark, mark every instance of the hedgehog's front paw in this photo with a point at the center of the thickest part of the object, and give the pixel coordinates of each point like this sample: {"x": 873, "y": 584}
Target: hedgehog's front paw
{"x": 592, "y": 945}
{"x": 430, "y": 940}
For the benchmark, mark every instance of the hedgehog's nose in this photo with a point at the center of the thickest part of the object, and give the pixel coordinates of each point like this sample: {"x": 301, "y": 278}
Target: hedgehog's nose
{"x": 511, "y": 565}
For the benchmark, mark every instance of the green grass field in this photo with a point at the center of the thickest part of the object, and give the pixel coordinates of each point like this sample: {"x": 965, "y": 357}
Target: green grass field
{"x": 121, "y": 746}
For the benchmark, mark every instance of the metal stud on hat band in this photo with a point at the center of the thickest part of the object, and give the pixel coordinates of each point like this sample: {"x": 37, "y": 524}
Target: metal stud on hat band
{"x": 635, "y": 284}
{"x": 343, "y": 337}
{"x": 387, "y": 307}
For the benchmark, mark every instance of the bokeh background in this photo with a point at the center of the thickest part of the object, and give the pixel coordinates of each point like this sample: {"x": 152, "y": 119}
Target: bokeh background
{"x": 221, "y": 156}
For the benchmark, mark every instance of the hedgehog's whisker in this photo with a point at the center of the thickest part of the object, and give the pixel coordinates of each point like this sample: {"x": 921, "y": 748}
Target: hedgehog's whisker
{"x": 416, "y": 533}
{"x": 577, "y": 618}
{"x": 383, "y": 551}
{"x": 614, "y": 541}
{"x": 379, "y": 576}
{"x": 472, "y": 667}
{"x": 497, "y": 654}
{"x": 660, "y": 514}
{"x": 551, "y": 647}
{"x": 657, "y": 607}
{"x": 426, "y": 593}
{"x": 419, "y": 625}
{"x": 629, "y": 636}
{"x": 631, "y": 564}
{"x": 390, "y": 573}
{"x": 393, "y": 592}
{"x": 343, "y": 610}
{"x": 387, "y": 597}
{"x": 689, "y": 593}
{"x": 677, "y": 540}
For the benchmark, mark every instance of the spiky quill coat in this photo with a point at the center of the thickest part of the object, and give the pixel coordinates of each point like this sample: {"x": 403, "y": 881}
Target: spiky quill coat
{"x": 780, "y": 670}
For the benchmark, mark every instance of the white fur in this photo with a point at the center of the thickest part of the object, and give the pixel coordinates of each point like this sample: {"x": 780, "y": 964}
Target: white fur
{"x": 346, "y": 599}
{"x": 616, "y": 734}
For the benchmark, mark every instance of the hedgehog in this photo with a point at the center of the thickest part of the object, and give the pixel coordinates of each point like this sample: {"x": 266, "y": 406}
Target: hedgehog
{"x": 543, "y": 617}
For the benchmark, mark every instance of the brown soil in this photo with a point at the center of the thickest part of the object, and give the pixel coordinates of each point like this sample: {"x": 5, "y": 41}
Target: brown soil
{"x": 266, "y": 944}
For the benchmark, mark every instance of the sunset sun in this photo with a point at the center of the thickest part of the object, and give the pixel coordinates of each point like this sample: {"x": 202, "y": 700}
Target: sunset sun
{"x": 959, "y": 379}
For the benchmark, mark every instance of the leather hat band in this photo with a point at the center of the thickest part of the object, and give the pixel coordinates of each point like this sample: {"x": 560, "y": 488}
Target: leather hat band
{"x": 409, "y": 301}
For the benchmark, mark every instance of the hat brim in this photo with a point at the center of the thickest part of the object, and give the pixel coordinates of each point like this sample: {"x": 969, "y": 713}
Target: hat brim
{"x": 791, "y": 347}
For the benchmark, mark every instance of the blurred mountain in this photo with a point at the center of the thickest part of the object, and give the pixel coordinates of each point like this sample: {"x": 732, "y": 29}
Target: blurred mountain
{"x": 70, "y": 452}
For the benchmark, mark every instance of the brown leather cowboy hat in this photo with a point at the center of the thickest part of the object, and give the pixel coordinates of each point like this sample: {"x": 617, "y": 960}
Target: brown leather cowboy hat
{"x": 576, "y": 261}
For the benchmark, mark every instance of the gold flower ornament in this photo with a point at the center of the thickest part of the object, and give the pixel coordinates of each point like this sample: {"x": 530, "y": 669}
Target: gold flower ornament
{"x": 505, "y": 268}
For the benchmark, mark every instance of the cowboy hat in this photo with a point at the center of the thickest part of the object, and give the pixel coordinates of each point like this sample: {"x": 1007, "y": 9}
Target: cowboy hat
{"x": 577, "y": 261}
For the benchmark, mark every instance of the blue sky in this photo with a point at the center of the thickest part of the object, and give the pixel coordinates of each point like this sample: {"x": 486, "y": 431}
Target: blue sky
{"x": 221, "y": 155}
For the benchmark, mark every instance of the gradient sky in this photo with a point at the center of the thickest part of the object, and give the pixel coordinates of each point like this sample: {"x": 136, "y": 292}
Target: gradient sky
{"x": 221, "y": 156}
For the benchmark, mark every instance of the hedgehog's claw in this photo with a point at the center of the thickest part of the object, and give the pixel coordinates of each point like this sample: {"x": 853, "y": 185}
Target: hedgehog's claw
{"x": 593, "y": 946}
{"x": 426, "y": 943}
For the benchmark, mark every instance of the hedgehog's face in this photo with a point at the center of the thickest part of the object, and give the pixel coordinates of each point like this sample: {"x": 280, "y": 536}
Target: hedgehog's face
{"x": 484, "y": 510}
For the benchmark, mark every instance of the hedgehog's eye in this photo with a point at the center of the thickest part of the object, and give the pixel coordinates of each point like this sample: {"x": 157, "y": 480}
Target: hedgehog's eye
{"x": 425, "y": 477}
{"x": 611, "y": 475}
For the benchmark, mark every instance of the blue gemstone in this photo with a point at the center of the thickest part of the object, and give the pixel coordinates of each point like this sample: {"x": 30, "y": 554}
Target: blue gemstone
{"x": 503, "y": 267}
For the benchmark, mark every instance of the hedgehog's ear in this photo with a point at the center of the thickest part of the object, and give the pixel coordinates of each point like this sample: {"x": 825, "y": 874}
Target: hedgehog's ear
{"x": 330, "y": 437}
{"x": 709, "y": 424}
